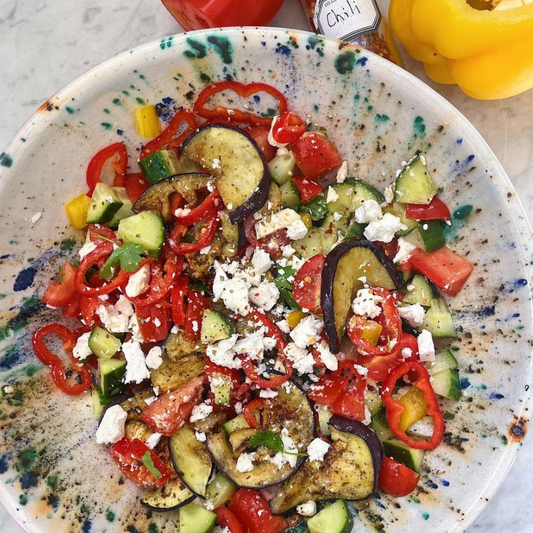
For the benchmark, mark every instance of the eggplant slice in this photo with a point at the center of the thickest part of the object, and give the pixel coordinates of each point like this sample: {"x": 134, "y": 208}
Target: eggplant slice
{"x": 191, "y": 460}
{"x": 345, "y": 265}
{"x": 348, "y": 471}
{"x": 291, "y": 410}
{"x": 157, "y": 197}
{"x": 241, "y": 170}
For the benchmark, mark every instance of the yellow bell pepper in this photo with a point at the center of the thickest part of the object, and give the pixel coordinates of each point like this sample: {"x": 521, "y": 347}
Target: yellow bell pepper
{"x": 294, "y": 318}
{"x": 147, "y": 121}
{"x": 77, "y": 210}
{"x": 306, "y": 219}
{"x": 370, "y": 331}
{"x": 486, "y": 52}
{"x": 416, "y": 408}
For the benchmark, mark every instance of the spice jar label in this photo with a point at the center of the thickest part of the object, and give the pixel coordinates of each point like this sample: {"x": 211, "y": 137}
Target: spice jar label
{"x": 344, "y": 19}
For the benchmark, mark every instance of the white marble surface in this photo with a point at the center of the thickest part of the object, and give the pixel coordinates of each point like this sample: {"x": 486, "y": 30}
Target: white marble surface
{"x": 46, "y": 43}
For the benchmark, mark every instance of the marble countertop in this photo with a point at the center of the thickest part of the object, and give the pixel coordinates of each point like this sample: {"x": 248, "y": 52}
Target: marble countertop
{"x": 44, "y": 44}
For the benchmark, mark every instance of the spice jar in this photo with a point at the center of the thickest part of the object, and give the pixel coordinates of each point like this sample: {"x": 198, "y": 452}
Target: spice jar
{"x": 356, "y": 21}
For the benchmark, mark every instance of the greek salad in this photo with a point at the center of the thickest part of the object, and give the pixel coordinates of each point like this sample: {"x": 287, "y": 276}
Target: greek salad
{"x": 263, "y": 336}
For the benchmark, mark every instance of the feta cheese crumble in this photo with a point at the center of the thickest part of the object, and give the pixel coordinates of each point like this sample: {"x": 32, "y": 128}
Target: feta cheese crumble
{"x": 370, "y": 211}
{"x": 342, "y": 173}
{"x": 384, "y": 229}
{"x": 329, "y": 359}
{"x": 268, "y": 393}
{"x": 405, "y": 251}
{"x": 317, "y": 449}
{"x": 136, "y": 369}
{"x": 153, "y": 440}
{"x": 116, "y": 318}
{"x": 332, "y": 195}
{"x": 364, "y": 304}
{"x": 284, "y": 219}
{"x": 81, "y": 350}
{"x": 138, "y": 282}
{"x": 154, "y": 359}
{"x": 245, "y": 462}
{"x": 302, "y": 360}
{"x": 414, "y": 314}
{"x": 261, "y": 261}
{"x": 200, "y": 412}
{"x": 200, "y": 436}
{"x": 306, "y": 509}
{"x": 222, "y": 353}
{"x": 111, "y": 428}
{"x": 426, "y": 348}
{"x": 307, "y": 332}
{"x": 86, "y": 249}
{"x": 265, "y": 296}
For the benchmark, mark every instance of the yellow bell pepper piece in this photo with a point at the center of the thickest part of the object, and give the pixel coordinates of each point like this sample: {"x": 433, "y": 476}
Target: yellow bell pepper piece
{"x": 77, "y": 210}
{"x": 485, "y": 52}
{"x": 306, "y": 219}
{"x": 415, "y": 408}
{"x": 293, "y": 319}
{"x": 371, "y": 331}
{"x": 147, "y": 121}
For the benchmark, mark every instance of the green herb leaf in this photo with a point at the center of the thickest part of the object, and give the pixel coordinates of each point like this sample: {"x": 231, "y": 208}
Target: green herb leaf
{"x": 317, "y": 207}
{"x": 149, "y": 463}
{"x": 266, "y": 438}
{"x": 287, "y": 299}
{"x": 128, "y": 256}
{"x": 282, "y": 281}
{"x": 198, "y": 285}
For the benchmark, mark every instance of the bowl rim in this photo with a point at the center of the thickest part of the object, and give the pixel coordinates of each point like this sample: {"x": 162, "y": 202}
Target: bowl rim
{"x": 525, "y": 236}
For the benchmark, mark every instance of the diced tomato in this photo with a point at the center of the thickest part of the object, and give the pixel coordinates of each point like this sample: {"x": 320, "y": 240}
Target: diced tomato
{"x": 351, "y": 404}
{"x": 308, "y": 188}
{"x": 62, "y": 290}
{"x": 328, "y": 390}
{"x": 271, "y": 244}
{"x": 171, "y": 410}
{"x": 446, "y": 269}
{"x": 435, "y": 210}
{"x": 177, "y": 296}
{"x": 288, "y": 128}
{"x": 396, "y": 479}
{"x": 136, "y": 184}
{"x": 254, "y": 514}
{"x": 308, "y": 282}
{"x": 226, "y": 519}
{"x": 196, "y": 303}
{"x": 129, "y": 455}
{"x": 260, "y": 135}
{"x": 379, "y": 366}
{"x": 315, "y": 155}
{"x": 155, "y": 321}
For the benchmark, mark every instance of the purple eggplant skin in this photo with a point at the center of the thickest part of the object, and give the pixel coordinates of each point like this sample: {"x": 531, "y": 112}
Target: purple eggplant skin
{"x": 115, "y": 401}
{"x": 374, "y": 444}
{"x": 260, "y": 195}
{"x": 328, "y": 282}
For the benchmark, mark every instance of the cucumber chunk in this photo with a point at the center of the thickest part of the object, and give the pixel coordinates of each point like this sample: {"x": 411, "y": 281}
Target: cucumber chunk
{"x": 104, "y": 204}
{"x": 373, "y": 402}
{"x": 111, "y": 374}
{"x": 196, "y": 519}
{"x": 221, "y": 386}
{"x": 414, "y": 184}
{"x": 447, "y": 384}
{"x": 125, "y": 211}
{"x": 380, "y": 426}
{"x": 335, "y": 518}
{"x": 281, "y": 168}
{"x": 146, "y": 228}
{"x": 439, "y": 320}
{"x": 443, "y": 361}
{"x": 427, "y": 235}
{"x": 98, "y": 402}
{"x": 404, "y": 454}
{"x": 420, "y": 292}
{"x": 159, "y": 166}
{"x": 317, "y": 241}
{"x": 239, "y": 422}
{"x": 103, "y": 344}
{"x": 290, "y": 197}
{"x": 215, "y": 327}
{"x": 220, "y": 490}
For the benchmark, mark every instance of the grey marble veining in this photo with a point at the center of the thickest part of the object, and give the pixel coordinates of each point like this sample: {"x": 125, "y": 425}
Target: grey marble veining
{"x": 44, "y": 44}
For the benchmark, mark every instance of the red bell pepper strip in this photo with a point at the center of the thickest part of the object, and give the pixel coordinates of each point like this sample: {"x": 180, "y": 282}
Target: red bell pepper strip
{"x": 196, "y": 303}
{"x": 208, "y": 208}
{"x": 328, "y": 389}
{"x": 307, "y": 187}
{"x": 288, "y": 128}
{"x": 167, "y": 137}
{"x": 183, "y": 248}
{"x": 435, "y": 210}
{"x": 394, "y": 409}
{"x": 244, "y": 91}
{"x": 140, "y": 464}
{"x": 176, "y": 202}
{"x": 253, "y": 512}
{"x": 225, "y": 518}
{"x": 103, "y": 250}
{"x": 99, "y": 233}
{"x": 52, "y": 360}
{"x": 396, "y": 479}
{"x": 118, "y": 152}
{"x": 160, "y": 285}
{"x": 249, "y": 366}
{"x": 154, "y": 321}
{"x": 392, "y": 327}
{"x": 351, "y": 403}
{"x": 177, "y": 297}
{"x": 249, "y": 409}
